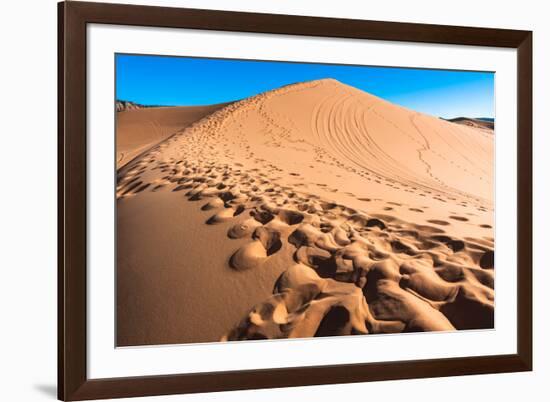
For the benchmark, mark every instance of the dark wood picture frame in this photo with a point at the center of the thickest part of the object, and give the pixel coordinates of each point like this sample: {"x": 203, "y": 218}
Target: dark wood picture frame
{"x": 73, "y": 383}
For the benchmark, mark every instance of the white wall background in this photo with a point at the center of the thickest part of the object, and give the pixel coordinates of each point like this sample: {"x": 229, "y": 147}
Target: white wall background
{"x": 28, "y": 198}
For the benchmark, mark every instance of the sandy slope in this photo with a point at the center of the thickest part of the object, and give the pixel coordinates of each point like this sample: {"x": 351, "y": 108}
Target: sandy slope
{"x": 312, "y": 210}
{"x": 138, "y": 129}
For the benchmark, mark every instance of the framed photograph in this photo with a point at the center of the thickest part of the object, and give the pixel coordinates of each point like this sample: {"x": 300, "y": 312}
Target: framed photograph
{"x": 252, "y": 200}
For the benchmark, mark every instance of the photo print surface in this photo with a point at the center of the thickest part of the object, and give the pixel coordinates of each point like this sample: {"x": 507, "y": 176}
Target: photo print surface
{"x": 260, "y": 200}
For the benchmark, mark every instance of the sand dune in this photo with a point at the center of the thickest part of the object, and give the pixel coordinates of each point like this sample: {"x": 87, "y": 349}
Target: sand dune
{"x": 123, "y": 106}
{"x": 138, "y": 128}
{"x": 312, "y": 210}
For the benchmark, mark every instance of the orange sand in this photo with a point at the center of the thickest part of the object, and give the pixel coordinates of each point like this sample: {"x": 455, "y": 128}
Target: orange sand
{"x": 312, "y": 210}
{"x": 137, "y": 130}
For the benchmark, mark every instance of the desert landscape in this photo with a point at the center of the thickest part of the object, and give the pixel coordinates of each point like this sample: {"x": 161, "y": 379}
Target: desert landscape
{"x": 314, "y": 209}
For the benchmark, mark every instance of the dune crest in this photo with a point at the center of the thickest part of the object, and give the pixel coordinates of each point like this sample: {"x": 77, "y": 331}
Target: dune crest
{"x": 344, "y": 214}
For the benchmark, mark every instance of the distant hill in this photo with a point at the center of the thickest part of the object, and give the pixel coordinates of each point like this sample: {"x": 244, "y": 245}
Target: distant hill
{"x": 479, "y": 122}
{"x": 122, "y": 105}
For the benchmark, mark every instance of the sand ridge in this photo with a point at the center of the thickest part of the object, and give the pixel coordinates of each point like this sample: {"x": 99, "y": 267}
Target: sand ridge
{"x": 371, "y": 218}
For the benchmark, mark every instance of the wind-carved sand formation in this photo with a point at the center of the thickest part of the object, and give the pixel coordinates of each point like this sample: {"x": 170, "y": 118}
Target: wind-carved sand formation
{"x": 314, "y": 209}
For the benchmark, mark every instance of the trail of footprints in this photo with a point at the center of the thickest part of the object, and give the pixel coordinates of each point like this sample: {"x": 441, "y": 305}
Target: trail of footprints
{"x": 352, "y": 273}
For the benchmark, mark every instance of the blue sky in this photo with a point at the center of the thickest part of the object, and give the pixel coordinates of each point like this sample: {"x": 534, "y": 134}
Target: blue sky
{"x": 185, "y": 81}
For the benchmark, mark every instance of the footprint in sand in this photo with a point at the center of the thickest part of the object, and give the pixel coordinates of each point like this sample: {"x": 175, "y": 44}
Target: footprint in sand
{"x": 265, "y": 243}
{"x": 416, "y": 210}
{"x": 438, "y": 222}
